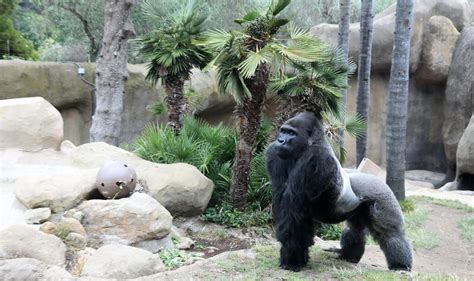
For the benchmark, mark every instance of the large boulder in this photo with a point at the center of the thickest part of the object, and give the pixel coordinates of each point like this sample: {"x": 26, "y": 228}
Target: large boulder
{"x": 62, "y": 179}
{"x": 57, "y": 190}
{"x": 125, "y": 221}
{"x": 459, "y": 94}
{"x": 23, "y": 128}
{"x": 121, "y": 262}
{"x": 21, "y": 241}
{"x": 439, "y": 41}
{"x": 458, "y": 11}
{"x": 31, "y": 269}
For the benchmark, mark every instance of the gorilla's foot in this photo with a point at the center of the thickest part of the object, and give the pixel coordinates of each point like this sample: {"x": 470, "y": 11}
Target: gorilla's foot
{"x": 295, "y": 268}
{"x": 401, "y": 267}
{"x": 293, "y": 258}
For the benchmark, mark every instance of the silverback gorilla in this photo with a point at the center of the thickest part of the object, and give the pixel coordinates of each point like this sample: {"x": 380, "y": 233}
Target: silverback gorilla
{"x": 309, "y": 185}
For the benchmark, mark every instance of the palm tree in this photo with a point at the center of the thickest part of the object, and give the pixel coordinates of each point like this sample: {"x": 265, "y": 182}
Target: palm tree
{"x": 398, "y": 99}
{"x": 244, "y": 59}
{"x": 363, "y": 77}
{"x": 316, "y": 87}
{"x": 173, "y": 55}
{"x": 343, "y": 43}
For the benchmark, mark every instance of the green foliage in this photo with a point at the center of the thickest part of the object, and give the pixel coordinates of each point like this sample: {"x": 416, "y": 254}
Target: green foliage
{"x": 329, "y": 231}
{"x": 170, "y": 47}
{"x": 12, "y": 43}
{"x": 239, "y": 53}
{"x": 226, "y": 215}
{"x": 156, "y": 108}
{"x": 211, "y": 150}
{"x": 173, "y": 258}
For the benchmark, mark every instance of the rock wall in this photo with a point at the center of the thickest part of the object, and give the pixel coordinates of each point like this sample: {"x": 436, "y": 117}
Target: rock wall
{"x": 436, "y": 28}
{"x": 59, "y": 84}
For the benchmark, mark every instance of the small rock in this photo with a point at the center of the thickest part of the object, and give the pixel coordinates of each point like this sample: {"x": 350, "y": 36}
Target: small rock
{"x": 48, "y": 228}
{"x": 72, "y": 225}
{"x": 156, "y": 245}
{"x": 39, "y": 215}
{"x": 75, "y": 214}
{"x": 75, "y": 240}
{"x": 185, "y": 244}
{"x": 119, "y": 261}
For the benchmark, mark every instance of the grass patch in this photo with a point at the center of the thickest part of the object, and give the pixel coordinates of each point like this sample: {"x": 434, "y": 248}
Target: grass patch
{"x": 453, "y": 204}
{"x": 321, "y": 266}
{"x": 417, "y": 234}
{"x": 466, "y": 226}
{"x": 422, "y": 238}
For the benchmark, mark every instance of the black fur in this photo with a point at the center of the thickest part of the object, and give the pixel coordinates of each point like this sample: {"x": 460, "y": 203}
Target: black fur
{"x": 309, "y": 186}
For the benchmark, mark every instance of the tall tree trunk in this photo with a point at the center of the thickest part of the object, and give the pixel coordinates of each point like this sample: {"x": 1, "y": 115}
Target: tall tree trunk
{"x": 363, "y": 77}
{"x": 175, "y": 102}
{"x": 111, "y": 71}
{"x": 398, "y": 99}
{"x": 249, "y": 116}
{"x": 343, "y": 43}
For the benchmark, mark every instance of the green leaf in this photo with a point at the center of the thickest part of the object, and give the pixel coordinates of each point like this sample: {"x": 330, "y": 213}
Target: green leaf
{"x": 250, "y": 16}
{"x": 277, "y": 6}
{"x": 277, "y": 23}
{"x": 248, "y": 66}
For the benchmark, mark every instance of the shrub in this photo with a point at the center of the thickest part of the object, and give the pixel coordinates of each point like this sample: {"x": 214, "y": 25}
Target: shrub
{"x": 329, "y": 231}
{"x": 211, "y": 150}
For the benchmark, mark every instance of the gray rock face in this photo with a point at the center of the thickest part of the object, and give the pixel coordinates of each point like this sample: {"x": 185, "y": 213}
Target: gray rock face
{"x": 458, "y": 99}
{"x": 22, "y": 128}
{"x": 39, "y": 215}
{"x": 21, "y": 241}
{"x": 31, "y": 269}
{"x": 125, "y": 221}
{"x": 465, "y": 152}
{"x": 457, "y": 11}
{"x": 58, "y": 84}
{"x": 118, "y": 261}
{"x": 435, "y": 27}
{"x": 439, "y": 40}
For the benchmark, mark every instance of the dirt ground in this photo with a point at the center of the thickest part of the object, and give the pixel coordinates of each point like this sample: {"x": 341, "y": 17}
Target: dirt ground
{"x": 252, "y": 254}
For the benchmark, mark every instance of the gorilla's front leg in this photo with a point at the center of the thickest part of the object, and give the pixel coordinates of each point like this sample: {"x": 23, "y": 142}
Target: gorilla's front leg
{"x": 296, "y": 235}
{"x": 295, "y": 243}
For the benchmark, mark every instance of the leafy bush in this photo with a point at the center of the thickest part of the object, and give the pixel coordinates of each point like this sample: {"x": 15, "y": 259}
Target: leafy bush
{"x": 211, "y": 150}
{"x": 12, "y": 43}
{"x": 329, "y": 231}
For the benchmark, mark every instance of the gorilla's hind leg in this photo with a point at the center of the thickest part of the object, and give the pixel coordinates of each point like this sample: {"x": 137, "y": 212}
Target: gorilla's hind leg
{"x": 397, "y": 251}
{"x": 353, "y": 240}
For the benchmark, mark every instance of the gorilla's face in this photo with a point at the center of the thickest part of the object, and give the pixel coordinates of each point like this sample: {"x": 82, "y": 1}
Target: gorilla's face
{"x": 294, "y": 135}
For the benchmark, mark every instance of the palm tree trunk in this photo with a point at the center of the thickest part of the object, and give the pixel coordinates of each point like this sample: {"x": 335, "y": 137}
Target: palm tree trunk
{"x": 343, "y": 43}
{"x": 174, "y": 87}
{"x": 111, "y": 72}
{"x": 398, "y": 99}
{"x": 363, "y": 77}
{"x": 249, "y": 117}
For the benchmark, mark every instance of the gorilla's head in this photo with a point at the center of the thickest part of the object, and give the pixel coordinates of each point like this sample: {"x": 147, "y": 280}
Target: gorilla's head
{"x": 296, "y": 134}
